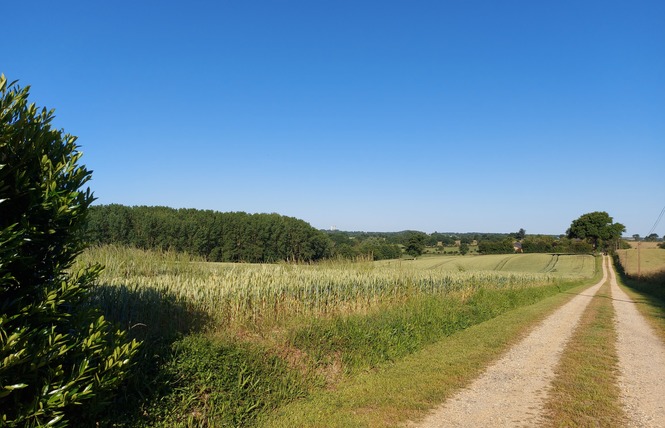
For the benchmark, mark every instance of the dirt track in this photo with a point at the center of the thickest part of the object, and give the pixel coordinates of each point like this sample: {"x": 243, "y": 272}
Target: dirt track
{"x": 641, "y": 363}
{"x": 512, "y": 392}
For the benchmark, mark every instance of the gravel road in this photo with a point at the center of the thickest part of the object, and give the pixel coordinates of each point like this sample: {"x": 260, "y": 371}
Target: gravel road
{"x": 641, "y": 363}
{"x": 512, "y": 391}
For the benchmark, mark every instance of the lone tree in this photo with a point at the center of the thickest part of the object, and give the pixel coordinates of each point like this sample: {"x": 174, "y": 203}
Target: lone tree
{"x": 520, "y": 234}
{"x": 415, "y": 244}
{"x": 597, "y": 228}
{"x": 59, "y": 359}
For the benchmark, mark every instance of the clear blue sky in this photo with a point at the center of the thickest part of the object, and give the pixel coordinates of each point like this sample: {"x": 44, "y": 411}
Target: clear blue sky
{"x": 484, "y": 116}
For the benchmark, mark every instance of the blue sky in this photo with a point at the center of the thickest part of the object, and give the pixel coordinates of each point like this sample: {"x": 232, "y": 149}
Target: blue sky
{"x": 484, "y": 116}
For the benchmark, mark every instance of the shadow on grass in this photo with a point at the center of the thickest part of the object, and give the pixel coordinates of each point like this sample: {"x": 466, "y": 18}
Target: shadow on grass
{"x": 604, "y": 296}
{"x": 650, "y": 287}
{"x": 156, "y": 319}
{"x": 149, "y": 314}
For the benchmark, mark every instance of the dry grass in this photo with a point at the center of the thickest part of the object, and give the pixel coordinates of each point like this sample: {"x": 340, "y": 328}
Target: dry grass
{"x": 651, "y": 259}
{"x": 644, "y": 245}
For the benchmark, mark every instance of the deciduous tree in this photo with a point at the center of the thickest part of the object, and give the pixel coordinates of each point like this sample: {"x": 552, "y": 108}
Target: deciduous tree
{"x": 415, "y": 243}
{"x": 597, "y": 228}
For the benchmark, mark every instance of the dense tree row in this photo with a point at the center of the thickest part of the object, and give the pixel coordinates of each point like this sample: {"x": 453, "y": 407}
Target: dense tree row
{"x": 447, "y": 239}
{"x": 496, "y": 247}
{"x": 242, "y": 237}
{"x": 536, "y": 244}
{"x": 228, "y": 237}
{"x": 346, "y": 246}
{"x": 549, "y": 244}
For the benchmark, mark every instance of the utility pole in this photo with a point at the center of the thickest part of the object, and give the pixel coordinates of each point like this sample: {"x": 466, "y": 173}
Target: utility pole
{"x": 638, "y": 260}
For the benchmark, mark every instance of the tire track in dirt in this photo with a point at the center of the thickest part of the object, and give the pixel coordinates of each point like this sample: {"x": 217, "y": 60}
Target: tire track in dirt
{"x": 502, "y": 263}
{"x": 641, "y": 363}
{"x": 513, "y": 390}
{"x": 551, "y": 264}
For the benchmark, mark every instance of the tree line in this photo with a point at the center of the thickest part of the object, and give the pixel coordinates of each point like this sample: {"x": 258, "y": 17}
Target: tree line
{"x": 233, "y": 236}
{"x": 216, "y": 236}
{"x": 536, "y": 244}
{"x": 266, "y": 238}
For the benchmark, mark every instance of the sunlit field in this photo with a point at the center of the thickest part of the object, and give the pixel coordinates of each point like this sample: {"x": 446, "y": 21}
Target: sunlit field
{"x": 134, "y": 280}
{"x": 226, "y": 321}
{"x": 560, "y": 266}
{"x": 651, "y": 259}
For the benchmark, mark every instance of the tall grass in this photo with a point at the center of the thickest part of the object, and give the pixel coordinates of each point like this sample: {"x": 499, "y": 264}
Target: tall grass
{"x": 651, "y": 282}
{"x": 141, "y": 288}
{"x": 284, "y": 321}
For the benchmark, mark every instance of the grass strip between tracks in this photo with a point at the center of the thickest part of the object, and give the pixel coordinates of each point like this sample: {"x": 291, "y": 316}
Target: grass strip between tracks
{"x": 585, "y": 392}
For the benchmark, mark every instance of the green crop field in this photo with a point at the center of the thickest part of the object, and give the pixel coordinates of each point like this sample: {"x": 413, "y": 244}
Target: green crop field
{"x": 559, "y": 265}
{"x": 247, "y": 337}
{"x": 270, "y": 292}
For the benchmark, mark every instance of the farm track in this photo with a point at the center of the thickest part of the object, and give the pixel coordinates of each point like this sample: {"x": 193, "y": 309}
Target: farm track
{"x": 438, "y": 265}
{"x": 582, "y": 266}
{"x": 552, "y": 264}
{"x": 502, "y": 263}
{"x": 641, "y": 363}
{"x": 512, "y": 391}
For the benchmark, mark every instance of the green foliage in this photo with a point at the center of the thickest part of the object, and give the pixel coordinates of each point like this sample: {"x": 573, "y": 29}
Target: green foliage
{"x": 415, "y": 243}
{"x": 597, "y": 228}
{"x": 365, "y": 341}
{"x": 463, "y": 248}
{"x": 220, "y": 384}
{"x": 496, "y": 247}
{"x": 539, "y": 244}
{"x": 372, "y": 248}
{"x": 59, "y": 359}
{"x": 219, "y": 237}
{"x": 521, "y": 234}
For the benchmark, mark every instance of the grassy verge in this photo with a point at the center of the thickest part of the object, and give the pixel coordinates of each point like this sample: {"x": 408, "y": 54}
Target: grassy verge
{"x": 649, "y": 293}
{"x": 366, "y": 341}
{"x": 205, "y": 381}
{"x": 585, "y": 391}
{"x": 406, "y": 390}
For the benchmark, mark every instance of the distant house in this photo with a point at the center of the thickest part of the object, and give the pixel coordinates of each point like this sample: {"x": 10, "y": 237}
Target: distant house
{"x": 517, "y": 246}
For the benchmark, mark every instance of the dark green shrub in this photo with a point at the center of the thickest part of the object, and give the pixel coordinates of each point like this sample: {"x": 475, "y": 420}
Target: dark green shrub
{"x": 59, "y": 359}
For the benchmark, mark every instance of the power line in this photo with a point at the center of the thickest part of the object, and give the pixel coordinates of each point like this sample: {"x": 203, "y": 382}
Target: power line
{"x": 657, "y": 221}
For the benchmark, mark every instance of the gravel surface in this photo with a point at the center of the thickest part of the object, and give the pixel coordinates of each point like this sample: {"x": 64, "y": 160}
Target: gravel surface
{"x": 512, "y": 392}
{"x": 641, "y": 363}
